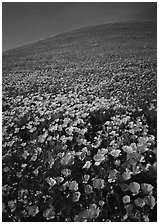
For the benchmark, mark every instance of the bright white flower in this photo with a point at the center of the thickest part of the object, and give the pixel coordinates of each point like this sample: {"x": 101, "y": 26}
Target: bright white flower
{"x": 87, "y": 165}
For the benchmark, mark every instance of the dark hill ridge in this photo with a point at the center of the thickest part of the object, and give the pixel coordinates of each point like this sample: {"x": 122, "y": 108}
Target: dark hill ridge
{"x": 120, "y": 56}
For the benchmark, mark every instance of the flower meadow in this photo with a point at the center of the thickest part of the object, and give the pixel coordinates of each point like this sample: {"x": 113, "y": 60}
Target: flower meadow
{"x": 79, "y": 145}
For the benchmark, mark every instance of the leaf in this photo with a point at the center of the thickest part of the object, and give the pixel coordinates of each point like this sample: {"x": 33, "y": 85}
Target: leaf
{"x": 134, "y": 187}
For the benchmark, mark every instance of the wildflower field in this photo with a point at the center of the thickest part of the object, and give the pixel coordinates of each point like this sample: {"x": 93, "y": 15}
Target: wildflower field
{"x": 79, "y": 130}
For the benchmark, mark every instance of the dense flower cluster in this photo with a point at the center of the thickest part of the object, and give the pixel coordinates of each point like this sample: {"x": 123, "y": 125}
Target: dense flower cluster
{"x": 65, "y": 165}
{"x": 79, "y": 127}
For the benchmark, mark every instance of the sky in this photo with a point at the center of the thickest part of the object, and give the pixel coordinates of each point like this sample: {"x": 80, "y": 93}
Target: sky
{"x": 26, "y": 22}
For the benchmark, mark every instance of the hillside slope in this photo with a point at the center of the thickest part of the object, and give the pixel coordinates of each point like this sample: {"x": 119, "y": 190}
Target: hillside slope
{"x": 86, "y": 46}
{"x": 113, "y": 51}
{"x": 79, "y": 133}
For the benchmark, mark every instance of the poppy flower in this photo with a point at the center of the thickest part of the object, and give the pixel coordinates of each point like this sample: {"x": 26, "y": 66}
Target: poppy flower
{"x": 88, "y": 189}
{"x": 146, "y": 188}
{"x": 127, "y": 175}
{"x": 139, "y": 202}
{"x": 99, "y": 157}
{"x": 98, "y": 183}
{"x": 126, "y": 199}
{"x": 115, "y": 153}
{"x": 112, "y": 175}
{"x": 87, "y": 165}
{"x": 73, "y": 185}
{"x": 150, "y": 201}
{"x": 49, "y": 213}
{"x": 134, "y": 187}
{"x": 33, "y": 210}
{"x": 86, "y": 178}
{"x": 76, "y": 196}
{"x": 66, "y": 172}
{"x": 12, "y": 205}
{"x": 68, "y": 159}
{"x": 51, "y": 181}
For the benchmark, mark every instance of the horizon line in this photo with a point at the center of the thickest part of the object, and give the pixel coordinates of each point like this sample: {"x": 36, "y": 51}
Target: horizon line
{"x": 76, "y": 29}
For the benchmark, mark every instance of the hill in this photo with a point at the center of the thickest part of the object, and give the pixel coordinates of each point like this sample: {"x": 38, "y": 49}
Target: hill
{"x": 80, "y": 126}
{"x": 112, "y": 51}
